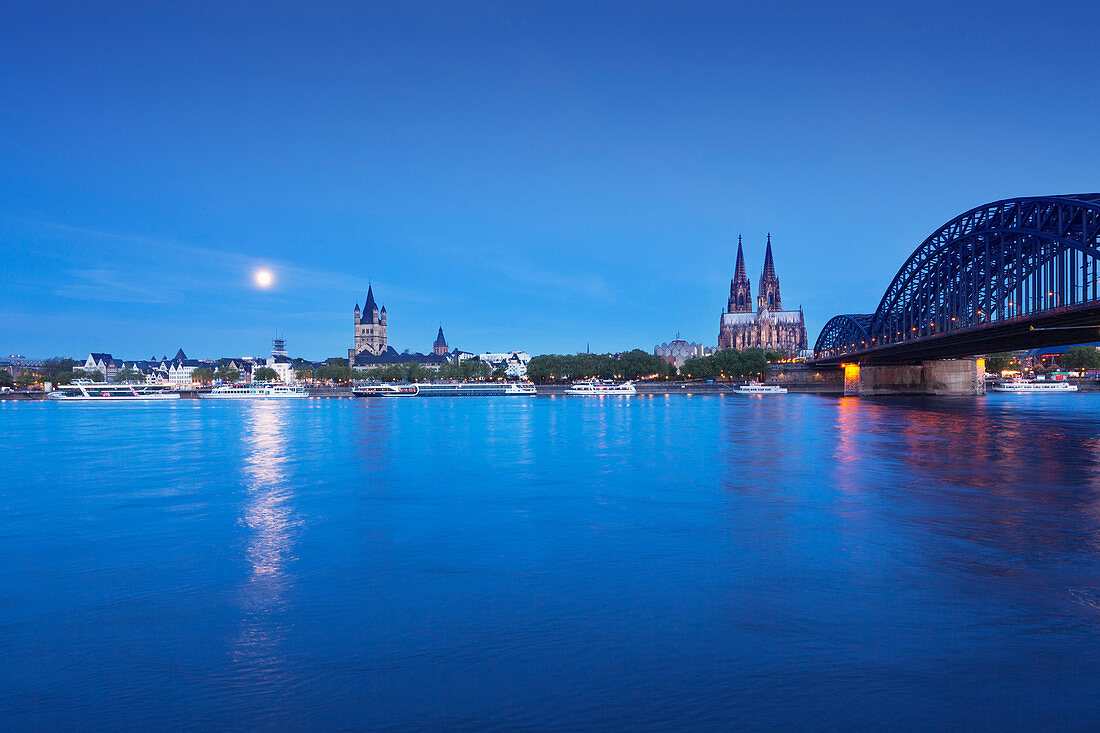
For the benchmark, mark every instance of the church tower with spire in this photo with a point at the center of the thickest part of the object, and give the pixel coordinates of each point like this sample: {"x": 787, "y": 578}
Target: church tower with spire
{"x": 370, "y": 327}
{"x": 740, "y": 292}
{"x": 769, "y": 299}
{"x": 440, "y": 346}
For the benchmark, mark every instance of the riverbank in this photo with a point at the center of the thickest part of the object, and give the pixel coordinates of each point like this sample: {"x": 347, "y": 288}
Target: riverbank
{"x": 644, "y": 388}
{"x": 23, "y": 394}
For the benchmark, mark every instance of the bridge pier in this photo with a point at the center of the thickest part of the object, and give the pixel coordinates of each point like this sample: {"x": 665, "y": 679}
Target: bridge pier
{"x": 944, "y": 377}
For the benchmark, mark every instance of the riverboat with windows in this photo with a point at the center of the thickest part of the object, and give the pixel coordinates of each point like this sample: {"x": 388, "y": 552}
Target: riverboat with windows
{"x": 475, "y": 389}
{"x": 601, "y": 388}
{"x": 369, "y": 390}
{"x": 256, "y": 391}
{"x": 1022, "y": 386}
{"x": 444, "y": 389}
{"x": 103, "y": 392}
{"x": 385, "y": 390}
{"x": 760, "y": 388}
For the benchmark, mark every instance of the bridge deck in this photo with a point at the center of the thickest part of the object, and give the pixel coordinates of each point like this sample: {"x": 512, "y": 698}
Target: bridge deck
{"x": 1054, "y": 328}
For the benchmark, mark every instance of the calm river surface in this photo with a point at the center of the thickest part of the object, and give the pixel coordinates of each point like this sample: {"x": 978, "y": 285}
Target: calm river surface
{"x": 706, "y": 562}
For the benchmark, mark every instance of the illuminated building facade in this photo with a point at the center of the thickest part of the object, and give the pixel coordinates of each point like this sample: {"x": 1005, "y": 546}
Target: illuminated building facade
{"x": 769, "y": 327}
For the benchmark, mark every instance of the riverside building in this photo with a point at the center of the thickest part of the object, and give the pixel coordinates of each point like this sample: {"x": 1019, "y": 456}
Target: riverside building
{"x": 280, "y": 361}
{"x": 515, "y": 362}
{"x": 678, "y": 351}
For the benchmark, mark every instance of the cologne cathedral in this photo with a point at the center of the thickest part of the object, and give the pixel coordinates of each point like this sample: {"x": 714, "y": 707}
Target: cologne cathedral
{"x": 769, "y": 327}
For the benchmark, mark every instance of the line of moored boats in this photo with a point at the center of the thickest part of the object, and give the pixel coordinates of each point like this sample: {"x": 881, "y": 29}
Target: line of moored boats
{"x": 104, "y": 392}
{"x": 100, "y": 391}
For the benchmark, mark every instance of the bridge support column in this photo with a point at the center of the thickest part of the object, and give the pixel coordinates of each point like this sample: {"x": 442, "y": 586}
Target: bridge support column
{"x": 947, "y": 377}
{"x": 851, "y": 380}
{"x": 955, "y": 376}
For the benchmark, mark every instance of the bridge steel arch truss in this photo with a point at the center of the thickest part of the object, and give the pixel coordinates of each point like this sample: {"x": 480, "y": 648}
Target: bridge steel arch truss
{"x": 1008, "y": 261}
{"x": 846, "y": 332}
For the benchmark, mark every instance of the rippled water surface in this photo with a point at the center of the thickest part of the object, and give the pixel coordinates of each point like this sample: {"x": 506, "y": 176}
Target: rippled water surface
{"x": 554, "y": 563}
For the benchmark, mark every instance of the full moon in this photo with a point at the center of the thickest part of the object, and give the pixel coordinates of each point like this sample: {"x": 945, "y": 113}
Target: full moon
{"x": 264, "y": 278}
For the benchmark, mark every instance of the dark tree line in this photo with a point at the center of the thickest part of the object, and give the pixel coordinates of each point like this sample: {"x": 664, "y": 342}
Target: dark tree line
{"x": 997, "y": 363}
{"x": 468, "y": 370}
{"x": 56, "y": 370}
{"x": 730, "y": 364}
{"x": 1081, "y": 357}
{"x": 635, "y": 364}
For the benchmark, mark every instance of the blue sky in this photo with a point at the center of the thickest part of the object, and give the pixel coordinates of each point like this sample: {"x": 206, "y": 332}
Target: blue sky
{"x": 530, "y": 175}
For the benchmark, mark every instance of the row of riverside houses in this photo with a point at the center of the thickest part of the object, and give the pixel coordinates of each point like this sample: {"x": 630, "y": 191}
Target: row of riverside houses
{"x": 178, "y": 371}
{"x": 514, "y": 362}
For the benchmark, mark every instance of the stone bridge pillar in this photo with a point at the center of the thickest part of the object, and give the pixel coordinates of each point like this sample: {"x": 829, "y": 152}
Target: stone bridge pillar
{"x": 946, "y": 377}
{"x": 851, "y": 380}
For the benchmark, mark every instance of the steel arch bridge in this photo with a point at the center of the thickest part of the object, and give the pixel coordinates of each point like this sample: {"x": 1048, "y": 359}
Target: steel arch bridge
{"x": 1012, "y": 274}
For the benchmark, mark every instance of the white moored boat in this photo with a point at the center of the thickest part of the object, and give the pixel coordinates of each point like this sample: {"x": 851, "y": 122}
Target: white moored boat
{"x": 370, "y": 390}
{"x": 598, "y": 388}
{"x": 475, "y": 389}
{"x": 444, "y": 389}
{"x": 103, "y": 392}
{"x": 385, "y": 390}
{"x": 760, "y": 388}
{"x": 1027, "y": 385}
{"x": 258, "y": 391}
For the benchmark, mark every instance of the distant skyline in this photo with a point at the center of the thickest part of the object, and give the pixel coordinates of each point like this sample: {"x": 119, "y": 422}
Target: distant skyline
{"x": 538, "y": 177}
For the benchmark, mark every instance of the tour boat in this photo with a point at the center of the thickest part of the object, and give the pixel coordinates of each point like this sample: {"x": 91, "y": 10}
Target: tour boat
{"x": 595, "y": 387}
{"x": 476, "y": 389}
{"x": 1027, "y": 385}
{"x": 760, "y": 388}
{"x": 370, "y": 390}
{"x": 103, "y": 392}
{"x": 256, "y": 391}
{"x": 386, "y": 390}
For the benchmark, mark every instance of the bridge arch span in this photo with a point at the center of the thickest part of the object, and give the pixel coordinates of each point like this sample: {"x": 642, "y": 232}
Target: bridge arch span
{"x": 844, "y": 333}
{"x": 1013, "y": 260}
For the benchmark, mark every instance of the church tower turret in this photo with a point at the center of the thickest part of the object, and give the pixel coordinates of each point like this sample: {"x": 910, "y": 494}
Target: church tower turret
{"x": 769, "y": 299}
{"x": 740, "y": 292}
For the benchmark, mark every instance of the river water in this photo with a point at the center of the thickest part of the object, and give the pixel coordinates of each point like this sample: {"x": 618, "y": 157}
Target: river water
{"x": 688, "y": 562}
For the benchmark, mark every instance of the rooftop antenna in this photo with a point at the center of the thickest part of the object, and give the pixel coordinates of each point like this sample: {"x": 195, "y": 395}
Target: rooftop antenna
{"x": 278, "y": 345}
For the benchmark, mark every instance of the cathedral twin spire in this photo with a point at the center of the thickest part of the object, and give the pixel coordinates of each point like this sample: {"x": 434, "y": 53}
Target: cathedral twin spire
{"x": 769, "y": 283}
{"x": 740, "y": 291}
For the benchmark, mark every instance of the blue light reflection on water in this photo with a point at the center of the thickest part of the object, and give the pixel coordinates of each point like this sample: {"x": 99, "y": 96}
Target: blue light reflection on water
{"x": 552, "y": 562}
